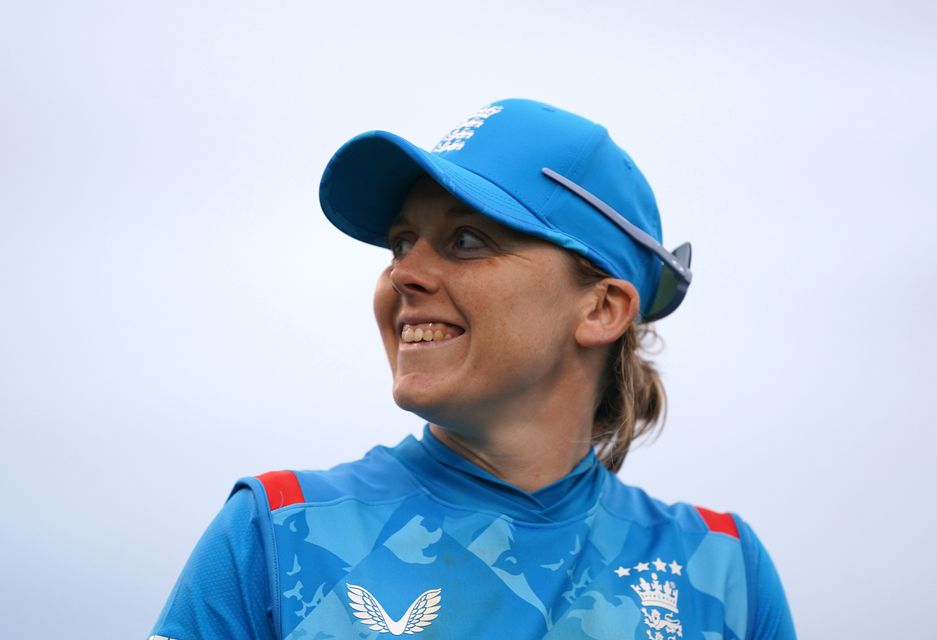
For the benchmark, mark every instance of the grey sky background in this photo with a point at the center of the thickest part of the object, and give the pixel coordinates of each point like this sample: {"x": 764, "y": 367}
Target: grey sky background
{"x": 175, "y": 311}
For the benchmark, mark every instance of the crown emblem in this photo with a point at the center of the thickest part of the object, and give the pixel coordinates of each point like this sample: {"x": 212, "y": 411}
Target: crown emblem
{"x": 657, "y": 594}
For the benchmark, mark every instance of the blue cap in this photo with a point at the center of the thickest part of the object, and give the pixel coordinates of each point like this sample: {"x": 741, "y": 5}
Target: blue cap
{"x": 495, "y": 161}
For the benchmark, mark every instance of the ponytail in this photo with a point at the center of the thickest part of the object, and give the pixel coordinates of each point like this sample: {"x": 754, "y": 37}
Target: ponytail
{"x": 632, "y": 401}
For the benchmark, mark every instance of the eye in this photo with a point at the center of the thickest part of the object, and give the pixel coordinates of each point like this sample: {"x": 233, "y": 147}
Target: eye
{"x": 400, "y": 245}
{"x": 468, "y": 240}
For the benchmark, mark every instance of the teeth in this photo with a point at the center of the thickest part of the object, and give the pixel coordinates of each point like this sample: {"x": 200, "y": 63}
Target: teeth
{"x": 428, "y": 334}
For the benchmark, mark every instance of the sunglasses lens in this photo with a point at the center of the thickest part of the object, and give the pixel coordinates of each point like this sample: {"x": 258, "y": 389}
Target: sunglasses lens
{"x": 672, "y": 289}
{"x": 666, "y": 299}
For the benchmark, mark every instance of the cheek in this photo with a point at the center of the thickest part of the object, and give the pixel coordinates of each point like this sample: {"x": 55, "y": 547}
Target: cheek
{"x": 530, "y": 318}
{"x": 385, "y": 307}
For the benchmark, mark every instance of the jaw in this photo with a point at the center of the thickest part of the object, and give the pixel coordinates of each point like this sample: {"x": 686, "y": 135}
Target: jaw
{"x": 425, "y": 369}
{"x": 437, "y": 381}
{"x": 419, "y": 393}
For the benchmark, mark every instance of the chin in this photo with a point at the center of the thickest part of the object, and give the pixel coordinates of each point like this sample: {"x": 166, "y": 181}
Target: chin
{"x": 410, "y": 399}
{"x": 423, "y": 401}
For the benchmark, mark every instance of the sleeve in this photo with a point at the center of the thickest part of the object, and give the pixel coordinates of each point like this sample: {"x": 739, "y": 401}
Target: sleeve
{"x": 223, "y": 589}
{"x": 769, "y": 614}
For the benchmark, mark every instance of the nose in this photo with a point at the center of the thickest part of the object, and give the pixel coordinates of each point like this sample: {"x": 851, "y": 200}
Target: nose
{"x": 417, "y": 272}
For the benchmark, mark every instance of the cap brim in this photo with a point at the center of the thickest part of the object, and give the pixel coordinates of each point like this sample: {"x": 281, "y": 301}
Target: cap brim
{"x": 365, "y": 183}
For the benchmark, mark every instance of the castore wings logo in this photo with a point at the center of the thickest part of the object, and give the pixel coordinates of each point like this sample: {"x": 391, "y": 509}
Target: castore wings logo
{"x": 370, "y": 612}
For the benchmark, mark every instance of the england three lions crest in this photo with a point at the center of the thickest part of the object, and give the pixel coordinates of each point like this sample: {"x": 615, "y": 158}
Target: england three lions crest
{"x": 659, "y": 597}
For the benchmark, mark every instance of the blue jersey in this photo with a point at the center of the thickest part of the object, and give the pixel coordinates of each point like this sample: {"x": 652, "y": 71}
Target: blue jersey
{"x": 416, "y": 539}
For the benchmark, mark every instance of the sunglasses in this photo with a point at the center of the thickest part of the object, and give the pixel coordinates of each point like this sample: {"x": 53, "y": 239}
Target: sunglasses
{"x": 674, "y": 280}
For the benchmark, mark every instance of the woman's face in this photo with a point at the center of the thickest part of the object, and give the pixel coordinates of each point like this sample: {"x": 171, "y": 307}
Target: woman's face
{"x": 477, "y": 319}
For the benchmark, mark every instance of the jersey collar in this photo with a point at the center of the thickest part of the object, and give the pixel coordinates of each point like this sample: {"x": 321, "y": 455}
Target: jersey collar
{"x": 454, "y": 479}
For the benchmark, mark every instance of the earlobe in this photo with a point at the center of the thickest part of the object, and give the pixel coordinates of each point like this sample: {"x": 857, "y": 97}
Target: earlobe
{"x": 613, "y": 307}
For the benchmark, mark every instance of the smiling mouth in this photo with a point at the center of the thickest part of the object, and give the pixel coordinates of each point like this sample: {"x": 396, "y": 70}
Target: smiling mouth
{"x": 429, "y": 332}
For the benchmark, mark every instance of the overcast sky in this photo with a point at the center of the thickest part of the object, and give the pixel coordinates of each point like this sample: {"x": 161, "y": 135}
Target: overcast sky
{"x": 175, "y": 311}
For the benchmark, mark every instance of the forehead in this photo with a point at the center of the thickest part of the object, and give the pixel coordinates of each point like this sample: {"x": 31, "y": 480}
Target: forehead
{"x": 427, "y": 197}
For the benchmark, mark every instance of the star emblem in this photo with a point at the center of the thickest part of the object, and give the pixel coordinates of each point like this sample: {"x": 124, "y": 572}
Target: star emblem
{"x": 622, "y": 572}
{"x": 659, "y": 564}
{"x": 642, "y": 566}
{"x": 675, "y": 568}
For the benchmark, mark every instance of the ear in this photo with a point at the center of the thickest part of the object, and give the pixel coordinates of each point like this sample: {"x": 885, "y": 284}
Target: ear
{"x": 612, "y": 307}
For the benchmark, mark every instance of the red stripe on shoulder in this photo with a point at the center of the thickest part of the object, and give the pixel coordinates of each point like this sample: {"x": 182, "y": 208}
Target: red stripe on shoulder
{"x": 282, "y": 488}
{"x": 719, "y": 522}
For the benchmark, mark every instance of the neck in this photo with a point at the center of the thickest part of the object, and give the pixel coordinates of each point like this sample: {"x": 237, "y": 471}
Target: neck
{"x": 528, "y": 453}
{"x": 528, "y": 464}
{"x": 529, "y": 440}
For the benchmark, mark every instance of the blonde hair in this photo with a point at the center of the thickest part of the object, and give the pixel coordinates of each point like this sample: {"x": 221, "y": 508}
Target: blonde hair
{"x": 632, "y": 401}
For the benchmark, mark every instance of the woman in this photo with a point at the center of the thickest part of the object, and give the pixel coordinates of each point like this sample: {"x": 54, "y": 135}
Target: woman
{"x": 525, "y": 265}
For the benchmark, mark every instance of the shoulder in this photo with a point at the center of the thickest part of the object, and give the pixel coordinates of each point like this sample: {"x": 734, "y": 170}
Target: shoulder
{"x": 377, "y": 477}
{"x": 223, "y": 591}
{"x": 722, "y": 557}
{"x": 635, "y": 505}
{"x": 713, "y": 545}
{"x": 708, "y": 536}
